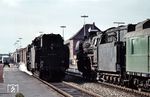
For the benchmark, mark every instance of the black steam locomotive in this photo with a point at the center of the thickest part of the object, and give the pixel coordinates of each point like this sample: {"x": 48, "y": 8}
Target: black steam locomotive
{"x": 48, "y": 57}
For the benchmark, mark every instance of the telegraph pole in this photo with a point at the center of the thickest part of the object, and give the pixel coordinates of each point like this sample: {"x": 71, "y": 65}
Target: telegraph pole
{"x": 84, "y": 16}
{"x": 63, "y": 27}
{"x": 119, "y": 23}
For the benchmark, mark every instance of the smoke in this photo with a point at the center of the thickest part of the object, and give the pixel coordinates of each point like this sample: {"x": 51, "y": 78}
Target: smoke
{"x": 23, "y": 68}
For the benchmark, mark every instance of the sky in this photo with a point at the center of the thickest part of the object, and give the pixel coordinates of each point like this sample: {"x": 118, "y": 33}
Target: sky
{"x": 26, "y": 18}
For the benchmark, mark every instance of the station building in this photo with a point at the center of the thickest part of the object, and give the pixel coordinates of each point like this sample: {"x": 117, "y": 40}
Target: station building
{"x": 79, "y": 36}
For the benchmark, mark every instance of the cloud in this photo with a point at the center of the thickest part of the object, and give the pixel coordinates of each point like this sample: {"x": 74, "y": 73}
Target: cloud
{"x": 12, "y": 3}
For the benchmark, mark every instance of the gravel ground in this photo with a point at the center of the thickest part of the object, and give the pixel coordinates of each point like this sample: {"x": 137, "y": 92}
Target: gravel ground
{"x": 105, "y": 91}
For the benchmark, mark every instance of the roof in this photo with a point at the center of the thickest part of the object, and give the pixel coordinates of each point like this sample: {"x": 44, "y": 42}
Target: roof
{"x": 140, "y": 25}
{"x": 114, "y": 29}
{"x": 144, "y": 32}
{"x": 141, "y": 28}
{"x": 80, "y": 33}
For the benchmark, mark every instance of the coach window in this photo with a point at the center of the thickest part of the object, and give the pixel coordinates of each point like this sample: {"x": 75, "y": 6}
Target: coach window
{"x": 132, "y": 46}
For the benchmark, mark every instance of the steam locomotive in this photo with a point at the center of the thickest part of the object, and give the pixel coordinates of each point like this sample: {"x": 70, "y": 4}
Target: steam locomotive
{"x": 47, "y": 57}
{"x": 118, "y": 55}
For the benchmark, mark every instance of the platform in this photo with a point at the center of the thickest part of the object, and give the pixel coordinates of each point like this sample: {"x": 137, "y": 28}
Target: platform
{"x": 18, "y": 81}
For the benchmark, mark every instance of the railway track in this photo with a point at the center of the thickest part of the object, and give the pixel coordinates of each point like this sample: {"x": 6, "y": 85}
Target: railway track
{"x": 125, "y": 89}
{"x": 68, "y": 90}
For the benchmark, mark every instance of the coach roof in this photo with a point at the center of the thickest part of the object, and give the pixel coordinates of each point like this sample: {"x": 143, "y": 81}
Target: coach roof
{"x": 142, "y": 28}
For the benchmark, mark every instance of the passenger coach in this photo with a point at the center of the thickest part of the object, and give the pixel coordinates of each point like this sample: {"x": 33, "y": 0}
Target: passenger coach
{"x": 138, "y": 53}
